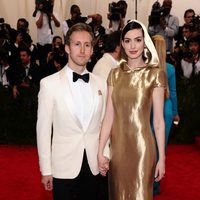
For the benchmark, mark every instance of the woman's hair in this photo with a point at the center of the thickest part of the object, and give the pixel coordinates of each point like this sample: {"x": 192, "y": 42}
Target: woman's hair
{"x": 131, "y": 26}
{"x": 150, "y": 55}
{"x": 160, "y": 45}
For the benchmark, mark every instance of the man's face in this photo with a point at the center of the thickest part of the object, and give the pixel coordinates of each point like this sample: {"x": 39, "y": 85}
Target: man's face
{"x": 188, "y": 17}
{"x": 76, "y": 12}
{"x": 186, "y": 33}
{"x": 21, "y": 25}
{"x": 167, "y": 5}
{"x": 25, "y": 58}
{"x": 80, "y": 48}
{"x": 194, "y": 47}
{"x": 57, "y": 43}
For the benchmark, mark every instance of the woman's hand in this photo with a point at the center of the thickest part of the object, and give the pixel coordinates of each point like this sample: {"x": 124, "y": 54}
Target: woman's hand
{"x": 160, "y": 170}
{"x": 176, "y": 120}
{"x": 103, "y": 163}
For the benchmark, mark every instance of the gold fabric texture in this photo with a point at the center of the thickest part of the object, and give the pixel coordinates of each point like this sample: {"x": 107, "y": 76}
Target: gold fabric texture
{"x": 133, "y": 151}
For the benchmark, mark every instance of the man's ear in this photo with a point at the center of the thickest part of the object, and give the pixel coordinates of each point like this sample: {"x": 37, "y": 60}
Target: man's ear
{"x": 92, "y": 51}
{"x": 67, "y": 48}
{"x": 118, "y": 48}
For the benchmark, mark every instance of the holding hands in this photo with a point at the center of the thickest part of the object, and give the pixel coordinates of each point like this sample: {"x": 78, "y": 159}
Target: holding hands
{"x": 103, "y": 163}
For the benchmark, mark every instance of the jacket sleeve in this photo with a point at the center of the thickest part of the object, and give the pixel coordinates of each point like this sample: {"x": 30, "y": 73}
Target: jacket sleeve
{"x": 44, "y": 127}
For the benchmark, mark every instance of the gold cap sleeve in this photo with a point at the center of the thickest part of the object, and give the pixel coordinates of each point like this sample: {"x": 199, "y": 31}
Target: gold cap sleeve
{"x": 160, "y": 80}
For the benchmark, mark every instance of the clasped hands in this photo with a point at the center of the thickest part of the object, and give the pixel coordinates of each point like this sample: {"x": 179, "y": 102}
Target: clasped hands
{"x": 103, "y": 164}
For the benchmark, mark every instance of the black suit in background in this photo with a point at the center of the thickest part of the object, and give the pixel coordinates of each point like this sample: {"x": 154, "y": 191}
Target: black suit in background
{"x": 27, "y": 86}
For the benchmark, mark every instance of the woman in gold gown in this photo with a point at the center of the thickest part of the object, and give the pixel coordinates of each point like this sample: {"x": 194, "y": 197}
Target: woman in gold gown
{"x": 133, "y": 88}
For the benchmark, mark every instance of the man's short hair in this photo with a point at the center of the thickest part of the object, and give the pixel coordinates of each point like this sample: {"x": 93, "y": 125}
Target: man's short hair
{"x": 74, "y": 8}
{"x": 189, "y": 11}
{"x": 194, "y": 39}
{"x": 112, "y": 41}
{"x": 24, "y": 21}
{"x": 22, "y": 49}
{"x": 79, "y": 27}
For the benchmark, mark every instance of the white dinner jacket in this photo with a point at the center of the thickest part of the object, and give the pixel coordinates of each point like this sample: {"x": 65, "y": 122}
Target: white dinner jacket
{"x": 61, "y": 155}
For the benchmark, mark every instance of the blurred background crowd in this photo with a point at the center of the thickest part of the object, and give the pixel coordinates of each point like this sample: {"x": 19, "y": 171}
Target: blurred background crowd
{"x": 24, "y": 62}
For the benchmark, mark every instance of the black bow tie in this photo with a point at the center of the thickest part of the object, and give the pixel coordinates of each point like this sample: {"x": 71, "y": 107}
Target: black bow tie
{"x": 84, "y": 77}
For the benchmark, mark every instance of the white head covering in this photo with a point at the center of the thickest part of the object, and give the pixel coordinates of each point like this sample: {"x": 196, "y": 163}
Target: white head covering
{"x": 150, "y": 51}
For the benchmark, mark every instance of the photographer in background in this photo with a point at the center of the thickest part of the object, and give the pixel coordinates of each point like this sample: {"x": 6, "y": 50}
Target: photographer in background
{"x": 26, "y": 76}
{"x": 163, "y": 23}
{"x": 99, "y": 33}
{"x": 96, "y": 25}
{"x": 75, "y": 18}
{"x": 57, "y": 57}
{"x": 46, "y": 21}
{"x": 123, "y": 5}
{"x": 23, "y": 24}
{"x": 6, "y": 71}
{"x": 111, "y": 56}
{"x": 21, "y": 38}
{"x": 180, "y": 49}
{"x": 190, "y": 63}
{"x": 5, "y": 38}
{"x": 115, "y": 16}
{"x": 188, "y": 17}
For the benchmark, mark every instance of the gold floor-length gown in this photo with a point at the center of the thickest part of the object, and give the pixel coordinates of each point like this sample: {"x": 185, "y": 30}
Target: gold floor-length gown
{"x": 133, "y": 151}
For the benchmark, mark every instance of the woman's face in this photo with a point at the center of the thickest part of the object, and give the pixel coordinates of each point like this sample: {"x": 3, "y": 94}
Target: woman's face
{"x": 133, "y": 44}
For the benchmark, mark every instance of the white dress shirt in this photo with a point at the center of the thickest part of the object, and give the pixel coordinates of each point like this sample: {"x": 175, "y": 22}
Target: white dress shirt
{"x": 3, "y": 77}
{"x": 188, "y": 68}
{"x": 83, "y": 99}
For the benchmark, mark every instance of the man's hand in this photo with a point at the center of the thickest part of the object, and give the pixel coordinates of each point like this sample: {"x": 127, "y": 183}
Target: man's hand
{"x": 103, "y": 164}
{"x": 47, "y": 181}
{"x": 15, "y": 92}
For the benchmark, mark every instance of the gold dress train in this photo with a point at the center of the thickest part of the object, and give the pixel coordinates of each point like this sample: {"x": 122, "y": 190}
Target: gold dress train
{"x": 133, "y": 151}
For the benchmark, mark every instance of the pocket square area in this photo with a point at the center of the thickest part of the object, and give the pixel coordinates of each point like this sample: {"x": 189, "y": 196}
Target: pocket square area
{"x": 99, "y": 92}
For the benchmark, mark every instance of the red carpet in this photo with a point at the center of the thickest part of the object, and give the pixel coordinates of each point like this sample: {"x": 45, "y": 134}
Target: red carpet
{"x": 20, "y": 177}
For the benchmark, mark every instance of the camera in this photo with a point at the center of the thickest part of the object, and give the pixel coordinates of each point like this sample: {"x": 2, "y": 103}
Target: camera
{"x": 188, "y": 55}
{"x": 156, "y": 14}
{"x": 5, "y": 36}
{"x": 4, "y": 29}
{"x": 58, "y": 50}
{"x": 115, "y": 11}
{"x": 114, "y": 8}
{"x": 45, "y": 6}
{"x": 196, "y": 23}
{"x": 59, "y": 55}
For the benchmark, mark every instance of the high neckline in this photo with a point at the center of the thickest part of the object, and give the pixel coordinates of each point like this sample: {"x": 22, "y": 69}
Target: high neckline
{"x": 127, "y": 68}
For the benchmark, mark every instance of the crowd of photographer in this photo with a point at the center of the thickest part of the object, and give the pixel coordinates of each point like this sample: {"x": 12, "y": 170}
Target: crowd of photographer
{"x": 23, "y": 64}
{"x": 49, "y": 52}
{"x": 50, "y": 55}
{"x": 182, "y": 41}
{"x": 186, "y": 55}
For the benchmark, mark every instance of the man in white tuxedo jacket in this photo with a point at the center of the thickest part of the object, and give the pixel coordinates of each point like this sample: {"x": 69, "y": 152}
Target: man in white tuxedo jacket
{"x": 71, "y": 106}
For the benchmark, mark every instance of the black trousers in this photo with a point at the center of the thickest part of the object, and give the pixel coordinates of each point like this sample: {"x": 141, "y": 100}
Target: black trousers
{"x": 84, "y": 186}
